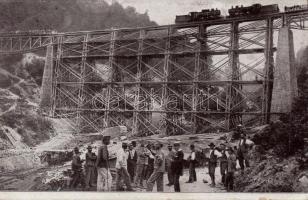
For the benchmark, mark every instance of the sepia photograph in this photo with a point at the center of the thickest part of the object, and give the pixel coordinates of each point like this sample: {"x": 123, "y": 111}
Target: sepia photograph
{"x": 143, "y": 97}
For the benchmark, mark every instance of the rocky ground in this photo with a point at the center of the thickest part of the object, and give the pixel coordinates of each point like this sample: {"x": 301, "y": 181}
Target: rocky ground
{"x": 279, "y": 159}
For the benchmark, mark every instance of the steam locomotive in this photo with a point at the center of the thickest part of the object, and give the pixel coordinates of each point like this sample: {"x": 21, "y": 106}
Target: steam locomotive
{"x": 206, "y": 14}
{"x": 234, "y": 12}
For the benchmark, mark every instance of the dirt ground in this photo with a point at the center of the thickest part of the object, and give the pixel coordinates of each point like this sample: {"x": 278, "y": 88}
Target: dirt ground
{"x": 199, "y": 186}
{"x": 31, "y": 181}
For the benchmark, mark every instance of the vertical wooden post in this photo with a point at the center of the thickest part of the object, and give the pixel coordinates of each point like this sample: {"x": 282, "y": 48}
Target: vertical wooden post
{"x": 269, "y": 67}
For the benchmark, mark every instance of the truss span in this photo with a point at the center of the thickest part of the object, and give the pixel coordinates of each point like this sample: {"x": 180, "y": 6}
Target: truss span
{"x": 188, "y": 78}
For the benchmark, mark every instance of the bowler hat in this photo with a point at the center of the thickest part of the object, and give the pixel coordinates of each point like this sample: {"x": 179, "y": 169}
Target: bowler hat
{"x": 157, "y": 144}
{"x": 176, "y": 144}
{"x": 76, "y": 150}
{"x": 89, "y": 147}
{"x": 105, "y": 138}
{"x": 212, "y": 144}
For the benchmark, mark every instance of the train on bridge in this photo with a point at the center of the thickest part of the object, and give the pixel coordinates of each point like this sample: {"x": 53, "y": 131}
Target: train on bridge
{"x": 236, "y": 12}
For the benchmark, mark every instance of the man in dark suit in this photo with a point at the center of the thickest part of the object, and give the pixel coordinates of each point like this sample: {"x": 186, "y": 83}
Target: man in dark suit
{"x": 131, "y": 162}
{"x": 177, "y": 166}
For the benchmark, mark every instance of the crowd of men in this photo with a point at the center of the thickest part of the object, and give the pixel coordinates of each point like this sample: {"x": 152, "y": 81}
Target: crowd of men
{"x": 142, "y": 165}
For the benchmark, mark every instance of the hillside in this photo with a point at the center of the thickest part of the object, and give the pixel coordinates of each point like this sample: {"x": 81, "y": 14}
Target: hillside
{"x": 68, "y": 15}
{"x": 20, "y": 78}
{"x": 21, "y": 75}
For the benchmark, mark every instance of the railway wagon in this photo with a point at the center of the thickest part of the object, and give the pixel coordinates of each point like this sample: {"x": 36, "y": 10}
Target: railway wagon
{"x": 255, "y": 9}
{"x": 295, "y": 8}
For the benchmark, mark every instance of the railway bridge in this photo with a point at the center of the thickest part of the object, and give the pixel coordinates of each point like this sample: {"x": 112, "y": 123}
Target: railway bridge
{"x": 179, "y": 78}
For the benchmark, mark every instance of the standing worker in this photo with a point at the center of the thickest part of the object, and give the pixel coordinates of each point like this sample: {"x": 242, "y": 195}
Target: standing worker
{"x": 131, "y": 161}
{"x": 159, "y": 169}
{"x": 150, "y": 167}
{"x": 121, "y": 169}
{"x": 230, "y": 169}
{"x": 90, "y": 167}
{"x": 238, "y": 131}
{"x": 104, "y": 178}
{"x": 192, "y": 165}
{"x": 223, "y": 163}
{"x": 78, "y": 177}
{"x": 142, "y": 162}
{"x": 214, "y": 154}
{"x": 177, "y": 166}
{"x": 242, "y": 151}
{"x": 169, "y": 160}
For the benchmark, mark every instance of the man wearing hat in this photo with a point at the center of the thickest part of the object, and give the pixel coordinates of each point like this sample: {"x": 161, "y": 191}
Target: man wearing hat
{"x": 214, "y": 154}
{"x": 192, "y": 165}
{"x": 169, "y": 160}
{"x": 238, "y": 131}
{"x": 159, "y": 169}
{"x": 142, "y": 162}
{"x": 223, "y": 163}
{"x": 177, "y": 166}
{"x": 121, "y": 169}
{"x": 150, "y": 167}
{"x": 104, "y": 178}
{"x": 242, "y": 151}
{"x": 131, "y": 161}
{"x": 230, "y": 169}
{"x": 78, "y": 177}
{"x": 90, "y": 167}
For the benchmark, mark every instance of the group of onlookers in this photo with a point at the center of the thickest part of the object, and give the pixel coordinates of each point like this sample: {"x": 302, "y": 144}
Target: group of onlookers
{"x": 227, "y": 157}
{"x": 142, "y": 165}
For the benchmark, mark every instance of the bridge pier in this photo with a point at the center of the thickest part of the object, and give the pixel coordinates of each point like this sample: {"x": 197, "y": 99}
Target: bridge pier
{"x": 285, "y": 81}
{"x": 47, "y": 87}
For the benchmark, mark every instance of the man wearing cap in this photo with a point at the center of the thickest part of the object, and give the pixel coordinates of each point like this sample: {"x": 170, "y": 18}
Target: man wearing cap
{"x": 104, "y": 178}
{"x": 242, "y": 151}
{"x": 177, "y": 166}
{"x": 131, "y": 161}
{"x": 192, "y": 165}
{"x": 169, "y": 160}
{"x": 214, "y": 154}
{"x": 230, "y": 169}
{"x": 121, "y": 169}
{"x": 159, "y": 169}
{"x": 90, "y": 167}
{"x": 78, "y": 177}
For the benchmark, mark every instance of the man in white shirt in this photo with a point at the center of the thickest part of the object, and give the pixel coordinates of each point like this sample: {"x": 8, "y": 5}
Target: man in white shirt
{"x": 242, "y": 151}
{"x": 192, "y": 165}
{"x": 159, "y": 169}
{"x": 214, "y": 154}
{"x": 121, "y": 169}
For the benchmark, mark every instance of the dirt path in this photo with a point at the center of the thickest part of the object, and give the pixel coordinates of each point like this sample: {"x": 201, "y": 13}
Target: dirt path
{"x": 198, "y": 186}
